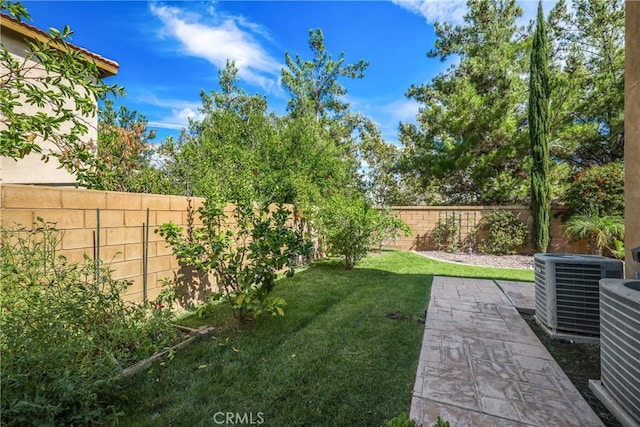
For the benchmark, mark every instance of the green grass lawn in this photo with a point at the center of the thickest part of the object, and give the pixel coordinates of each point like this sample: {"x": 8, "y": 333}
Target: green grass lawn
{"x": 345, "y": 353}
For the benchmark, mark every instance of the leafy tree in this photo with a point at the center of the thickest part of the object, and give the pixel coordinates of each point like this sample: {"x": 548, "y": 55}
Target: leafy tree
{"x": 218, "y": 156}
{"x": 587, "y": 121}
{"x": 58, "y": 80}
{"x": 599, "y": 189}
{"x": 469, "y": 141}
{"x": 538, "y": 134}
{"x": 313, "y": 84}
{"x": 245, "y": 250}
{"x": 122, "y": 158}
{"x": 385, "y": 185}
{"x": 348, "y": 224}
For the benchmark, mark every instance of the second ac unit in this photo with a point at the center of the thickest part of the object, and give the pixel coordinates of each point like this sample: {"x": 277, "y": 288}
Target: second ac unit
{"x": 567, "y": 291}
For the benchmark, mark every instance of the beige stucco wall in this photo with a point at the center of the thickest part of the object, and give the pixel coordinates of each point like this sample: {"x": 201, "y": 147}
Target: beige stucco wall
{"x": 123, "y": 218}
{"x": 423, "y": 219}
{"x": 31, "y": 169}
{"x": 632, "y": 134}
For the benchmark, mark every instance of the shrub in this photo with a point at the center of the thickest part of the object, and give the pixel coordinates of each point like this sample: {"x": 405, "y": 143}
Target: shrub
{"x": 602, "y": 232}
{"x": 505, "y": 233}
{"x": 388, "y": 227}
{"x": 598, "y": 189}
{"x": 245, "y": 252}
{"x": 401, "y": 420}
{"x": 348, "y": 226}
{"x": 446, "y": 234}
{"x": 65, "y": 332}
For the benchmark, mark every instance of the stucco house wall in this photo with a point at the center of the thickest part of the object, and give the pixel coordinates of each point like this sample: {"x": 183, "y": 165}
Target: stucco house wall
{"x": 31, "y": 169}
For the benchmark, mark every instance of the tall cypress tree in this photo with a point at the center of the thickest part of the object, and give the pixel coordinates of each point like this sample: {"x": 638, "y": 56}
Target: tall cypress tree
{"x": 539, "y": 94}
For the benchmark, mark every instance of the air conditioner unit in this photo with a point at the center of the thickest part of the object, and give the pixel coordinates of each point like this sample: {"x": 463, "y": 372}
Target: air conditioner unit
{"x": 567, "y": 292}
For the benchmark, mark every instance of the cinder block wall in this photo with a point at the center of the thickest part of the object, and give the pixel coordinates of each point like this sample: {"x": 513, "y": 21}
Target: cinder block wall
{"x": 423, "y": 219}
{"x": 123, "y": 218}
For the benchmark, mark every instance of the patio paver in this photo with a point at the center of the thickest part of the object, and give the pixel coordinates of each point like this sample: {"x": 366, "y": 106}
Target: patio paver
{"x": 521, "y": 294}
{"x": 482, "y": 365}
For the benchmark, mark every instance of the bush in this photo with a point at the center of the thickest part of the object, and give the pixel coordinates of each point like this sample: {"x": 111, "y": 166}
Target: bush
{"x": 602, "y": 232}
{"x": 446, "y": 234}
{"x": 506, "y": 233}
{"x": 388, "y": 227}
{"x": 597, "y": 189}
{"x": 66, "y": 333}
{"x": 348, "y": 227}
{"x": 245, "y": 252}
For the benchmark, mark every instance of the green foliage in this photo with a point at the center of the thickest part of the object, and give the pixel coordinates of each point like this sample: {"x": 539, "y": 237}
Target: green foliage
{"x": 51, "y": 77}
{"x": 388, "y": 227}
{"x": 313, "y": 84}
{"x": 122, "y": 159}
{"x": 539, "y": 96}
{"x": 401, "y": 420}
{"x": 237, "y": 150}
{"x": 245, "y": 252}
{"x": 468, "y": 143}
{"x": 602, "y": 232}
{"x": 506, "y": 233}
{"x": 588, "y": 82}
{"x": 599, "y": 189}
{"x": 441, "y": 423}
{"x": 348, "y": 225}
{"x": 65, "y": 332}
{"x": 446, "y": 234}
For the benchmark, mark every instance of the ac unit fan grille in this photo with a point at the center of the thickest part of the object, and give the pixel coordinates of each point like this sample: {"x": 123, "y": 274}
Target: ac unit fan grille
{"x": 541, "y": 291}
{"x": 577, "y": 297}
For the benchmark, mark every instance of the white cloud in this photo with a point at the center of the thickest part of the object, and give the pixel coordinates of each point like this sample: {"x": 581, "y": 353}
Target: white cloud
{"x": 220, "y": 38}
{"x": 451, "y": 11}
{"x": 178, "y": 119}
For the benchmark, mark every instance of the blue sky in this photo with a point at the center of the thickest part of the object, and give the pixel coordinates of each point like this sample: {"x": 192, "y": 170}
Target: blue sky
{"x": 169, "y": 51}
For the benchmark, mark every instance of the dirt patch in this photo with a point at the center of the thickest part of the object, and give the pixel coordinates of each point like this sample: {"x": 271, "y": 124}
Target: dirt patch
{"x": 403, "y": 317}
{"x": 581, "y": 363}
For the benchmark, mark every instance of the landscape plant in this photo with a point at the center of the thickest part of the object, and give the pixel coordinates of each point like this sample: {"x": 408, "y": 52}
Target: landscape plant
{"x": 349, "y": 226}
{"x": 602, "y": 231}
{"x": 505, "y": 233}
{"x": 245, "y": 250}
{"x": 538, "y": 110}
{"x": 598, "y": 189}
{"x": 446, "y": 234}
{"x": 388, "y": 227}
{"x": 54, "y": 75}
{"x": 65, "y": 332}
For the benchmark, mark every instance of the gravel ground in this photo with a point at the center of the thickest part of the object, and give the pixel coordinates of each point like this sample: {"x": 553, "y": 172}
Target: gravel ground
{"x": 501, "y": 261}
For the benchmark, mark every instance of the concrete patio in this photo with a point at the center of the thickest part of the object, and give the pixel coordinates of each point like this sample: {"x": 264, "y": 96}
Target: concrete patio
{"x": 481, "y": 364}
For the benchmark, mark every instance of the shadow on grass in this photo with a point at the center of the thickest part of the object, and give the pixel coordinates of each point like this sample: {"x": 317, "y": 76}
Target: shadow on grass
{"x": 345, "y": 353}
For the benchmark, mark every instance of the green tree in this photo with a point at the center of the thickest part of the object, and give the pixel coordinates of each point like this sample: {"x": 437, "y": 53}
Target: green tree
{"x": 313, "y": 84}
{"x": 348, "y": 223}
{"x": 539, "y": 133}
{"x": 469, "y": 141}
{"x": 587, "y": 120}
{"x": 218, "y": 156}
{"x": 122, "y": 158}
{"x": 63, "y": 85}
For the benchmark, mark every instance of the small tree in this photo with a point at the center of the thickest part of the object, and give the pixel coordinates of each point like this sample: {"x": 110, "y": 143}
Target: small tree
{"x": 52, "y": 77}
{"x": 539, "y": 95}
{"x": 388, "y": 227}
{"x": 598, "y": 189}
{"x": 348, "y": 225}
{"x": 246, "y": 252}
